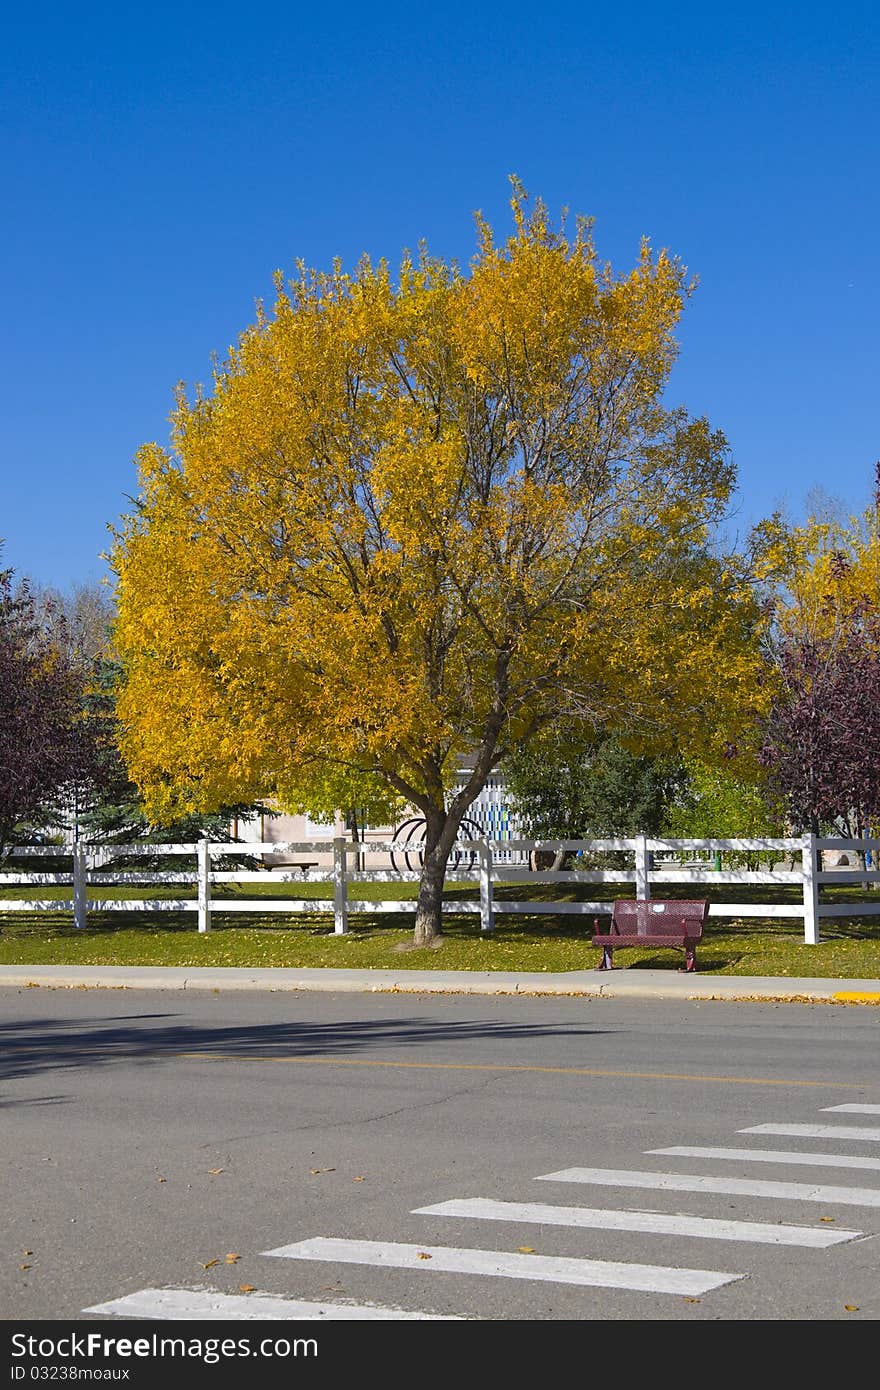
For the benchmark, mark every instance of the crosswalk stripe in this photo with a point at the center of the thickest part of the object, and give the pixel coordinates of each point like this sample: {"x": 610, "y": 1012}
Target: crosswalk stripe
{"x": 817, "y": 1131}
{"x": 506, "y": 1264}
{"x": 685, "y": 1182}
{"x": 201, "y": 1304}
{"x": 770, "y": 1156}
{"x": 649, "y": 1222}
{"x": 853, "y": 1109}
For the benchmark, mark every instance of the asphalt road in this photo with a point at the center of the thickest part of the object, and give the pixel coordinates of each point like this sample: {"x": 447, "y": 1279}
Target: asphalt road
{"x": 148, "y": 1137}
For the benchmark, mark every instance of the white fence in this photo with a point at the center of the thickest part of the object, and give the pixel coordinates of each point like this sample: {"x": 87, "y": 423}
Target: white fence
{"x": 650, "y": 869}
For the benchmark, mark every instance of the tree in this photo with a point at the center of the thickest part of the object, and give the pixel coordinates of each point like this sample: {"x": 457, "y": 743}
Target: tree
{"x": 822, "y": 741}
{"x": 822, "y": 745}
{"x": 422, "y": 520}
{"x": 100, "y": 800}
{"x": 564, "y": 788}
{"x": 79, "y": 621}
{"x": 92, "y": 796}
{"x": 714, "y": 803}
{"x": 79, "y": 624}
{"x": 39, "y": 710}
{"x": 833, "y": 573}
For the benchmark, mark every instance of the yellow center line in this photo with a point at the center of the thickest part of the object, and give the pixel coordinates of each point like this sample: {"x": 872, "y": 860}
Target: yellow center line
{"x": 501, "y": 1067}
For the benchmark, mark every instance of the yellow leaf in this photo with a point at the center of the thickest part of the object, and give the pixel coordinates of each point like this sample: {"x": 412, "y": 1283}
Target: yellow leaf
{"x": 423, "y": 1255}
{"x": 246, "y": 1288}
{"x": 215, "y": 1171}
{"x": 526, "y": 1249}
{"x": 208, "y": 1264}
{"x": 314, "y": 1171}
{"x": 231, "y": 1259}
{"x": 851, "y": 1307}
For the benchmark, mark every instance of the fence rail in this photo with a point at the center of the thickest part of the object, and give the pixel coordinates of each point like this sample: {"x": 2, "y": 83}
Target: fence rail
{"x": 89, "y": 861}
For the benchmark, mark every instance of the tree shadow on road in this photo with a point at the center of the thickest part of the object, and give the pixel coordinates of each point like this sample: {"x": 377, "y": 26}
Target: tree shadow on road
{"x": 34, "y": 1046}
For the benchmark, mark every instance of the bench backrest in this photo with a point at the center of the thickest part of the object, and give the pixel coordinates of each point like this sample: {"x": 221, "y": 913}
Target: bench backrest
{"x": 659, "y": 918}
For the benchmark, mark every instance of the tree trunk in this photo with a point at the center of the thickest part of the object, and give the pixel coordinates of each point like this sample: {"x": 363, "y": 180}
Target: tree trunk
{"x": 552, "y": 860}
{"x": 442, "y": 824}
{"x": 351, "y": 823}
{"x": 440, "y": 833}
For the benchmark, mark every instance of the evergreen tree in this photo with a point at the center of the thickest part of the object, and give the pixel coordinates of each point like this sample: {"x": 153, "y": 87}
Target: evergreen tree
{"x": 570, "y": 787}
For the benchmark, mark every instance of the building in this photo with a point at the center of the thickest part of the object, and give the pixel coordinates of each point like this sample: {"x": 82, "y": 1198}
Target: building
{"x": 489, "y": 817}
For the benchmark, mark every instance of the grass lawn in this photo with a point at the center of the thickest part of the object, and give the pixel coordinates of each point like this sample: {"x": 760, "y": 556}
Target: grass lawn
{"x": 850, "y": 948}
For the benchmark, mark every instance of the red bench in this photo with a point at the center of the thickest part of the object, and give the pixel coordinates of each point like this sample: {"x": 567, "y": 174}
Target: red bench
{"x": 658, "y": 923}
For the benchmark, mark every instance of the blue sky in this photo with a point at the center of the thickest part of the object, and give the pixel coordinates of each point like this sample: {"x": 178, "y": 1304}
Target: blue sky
{"x": 158, "y": 164}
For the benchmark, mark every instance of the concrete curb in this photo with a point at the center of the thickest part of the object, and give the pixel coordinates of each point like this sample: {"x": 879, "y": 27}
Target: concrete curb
{"x": 625, "y": 984}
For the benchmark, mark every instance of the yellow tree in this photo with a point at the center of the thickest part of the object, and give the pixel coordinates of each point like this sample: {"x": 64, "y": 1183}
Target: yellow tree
{"x": 833, "y": 577}
{"x": 425, "y": 516}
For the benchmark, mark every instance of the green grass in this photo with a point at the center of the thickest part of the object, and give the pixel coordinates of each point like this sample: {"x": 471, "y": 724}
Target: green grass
{"x": 850, "y": 948}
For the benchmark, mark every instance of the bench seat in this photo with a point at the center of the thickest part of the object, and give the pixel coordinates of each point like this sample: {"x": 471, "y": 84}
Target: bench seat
{"x": 667, "y": 923}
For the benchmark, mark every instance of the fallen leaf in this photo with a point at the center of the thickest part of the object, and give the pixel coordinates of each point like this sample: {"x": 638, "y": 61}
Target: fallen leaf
{"x": 826, "y": 1218}
{"x": 27, "y": 1252}
{"x": 24, "y": 1266}
{"x": 692, "y": 1300}
{"x": 209, "y": 1264}
{"x": 247, "y": 1288}
{"x": 526, "y": 1249}
{"x": 851, "y": 1307}
{"x": 161, "y": 1179}
{"x": 423, "y": 1255}
{"x": 230, "y": 1259}
{"x": 313, "y": 1171}
{"x": 215, "y": 1171}
{"x": 358, "y": 1179}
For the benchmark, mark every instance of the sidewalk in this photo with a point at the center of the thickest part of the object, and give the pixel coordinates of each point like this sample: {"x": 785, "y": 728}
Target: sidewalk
{"x": 619, "y": 984}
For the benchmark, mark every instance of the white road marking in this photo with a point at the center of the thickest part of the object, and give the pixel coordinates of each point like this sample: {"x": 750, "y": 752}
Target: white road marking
{"x": 771, "y": 1156}
{"x": 853, "y": 1109}
{"x": 817, "y": 1131}
{"x": 650, "y": 1222}
{"x": 685, "y": 1182}
{"x": 198, "y": 1304}
{"x": 603, "y": 1274}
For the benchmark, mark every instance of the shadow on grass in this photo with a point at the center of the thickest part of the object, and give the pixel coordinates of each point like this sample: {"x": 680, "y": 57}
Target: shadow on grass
{"x": 850, "y": 946}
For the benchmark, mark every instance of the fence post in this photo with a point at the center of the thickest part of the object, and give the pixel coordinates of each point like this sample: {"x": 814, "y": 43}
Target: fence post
{"x": 340, "y": 887}
{"x": 810, "y": 860}
{"x": 80, "y": 895}
{"x": 643, "y": 883}
{"x": 487, "y": 914}
{"x": 204, "y": 881}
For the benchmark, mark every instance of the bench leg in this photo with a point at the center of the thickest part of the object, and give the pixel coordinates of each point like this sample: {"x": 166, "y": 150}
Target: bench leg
{"x": 607, "y": 962}
{"x": 690, "y": 959}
